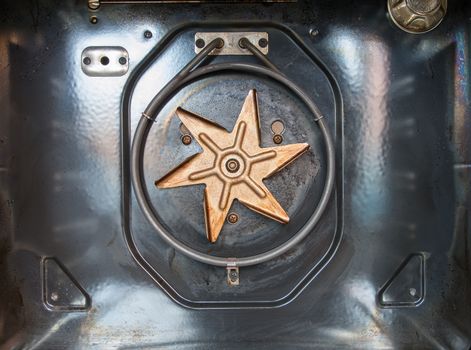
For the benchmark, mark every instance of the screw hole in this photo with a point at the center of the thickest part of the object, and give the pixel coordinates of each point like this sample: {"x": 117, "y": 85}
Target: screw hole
{"x": 104, "y": 60}
{"x": 123, "y": 60}
{"x": 87, "y": 60}
{"x": 278, "y": 127}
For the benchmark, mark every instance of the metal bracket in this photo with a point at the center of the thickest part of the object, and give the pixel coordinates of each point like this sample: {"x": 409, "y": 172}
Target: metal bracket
{"x": 231, "y": 42}
{"x": 233, "y": 275}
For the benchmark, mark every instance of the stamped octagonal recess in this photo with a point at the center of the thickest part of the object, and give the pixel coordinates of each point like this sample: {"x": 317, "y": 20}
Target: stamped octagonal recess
{"x": 232, "y": 166}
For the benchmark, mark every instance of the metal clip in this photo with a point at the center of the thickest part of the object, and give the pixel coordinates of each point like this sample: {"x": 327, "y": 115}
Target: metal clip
{"x": 233, "y": 275}
{"x": 148, "y": 117}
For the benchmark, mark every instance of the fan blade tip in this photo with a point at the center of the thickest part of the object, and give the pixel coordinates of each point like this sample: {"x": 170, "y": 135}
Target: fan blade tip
{"x": 159, "y": 184}
{"x": 212, "y": 238}
{"x": 182, "y": 113}
{"x": 283, "y": 218}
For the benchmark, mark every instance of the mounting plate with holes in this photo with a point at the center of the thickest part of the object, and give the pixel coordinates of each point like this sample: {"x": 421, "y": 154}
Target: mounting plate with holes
{"x": 105, "y": 61}
{"x": 231, "y": 42}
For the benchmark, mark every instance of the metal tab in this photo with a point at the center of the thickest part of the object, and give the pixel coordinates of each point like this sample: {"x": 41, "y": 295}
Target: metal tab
{"x": 105, "y": 61}
{"x": 233, "y": 275}
{"x": 231, "y": 42}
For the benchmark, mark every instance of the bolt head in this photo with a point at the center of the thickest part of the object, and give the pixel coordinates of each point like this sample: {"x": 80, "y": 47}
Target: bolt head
{"x": 94, "y": 20}
{"x": 93, "y": 4}
{"x": 313, "y": 32}
{"x": 417, "y": 16}
{"x": 147, "y": 34}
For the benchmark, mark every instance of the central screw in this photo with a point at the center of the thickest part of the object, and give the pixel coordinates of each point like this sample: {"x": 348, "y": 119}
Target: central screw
{"x": 232, "y": 165}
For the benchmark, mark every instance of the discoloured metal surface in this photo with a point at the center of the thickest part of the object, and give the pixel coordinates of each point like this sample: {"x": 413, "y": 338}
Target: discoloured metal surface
{"x": 232, "y": 166}
{"x": 406, "y": 179}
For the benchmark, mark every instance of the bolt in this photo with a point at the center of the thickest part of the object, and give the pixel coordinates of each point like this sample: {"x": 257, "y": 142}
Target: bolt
{"x": 54, "y": 296}
{"x": 200, "y": 43}
{"x": 263, "y": 43}
{"x": 277, "y": 139}
{"x": 93, "y": 4}
{"x": 87, "y": 60}
{"x": 147, "y": 34}
{"x": 93, "y": 20}
{"x": 233, "y": 275}
{"x": 123, "y": 60}
{"x": 186, "y": 140}
{"x": 232, "y": 218}
{"x": 313, "y": 32}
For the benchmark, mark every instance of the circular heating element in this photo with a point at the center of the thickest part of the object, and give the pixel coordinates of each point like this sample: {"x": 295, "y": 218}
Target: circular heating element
{"x": 231, "y": 163}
